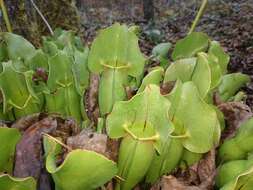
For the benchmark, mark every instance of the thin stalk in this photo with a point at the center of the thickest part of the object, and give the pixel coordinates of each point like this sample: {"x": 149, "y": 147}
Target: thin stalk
{"x": 5, "y": 16}
{"x": 42, "y": 17}
{"x": 199, "y": 14}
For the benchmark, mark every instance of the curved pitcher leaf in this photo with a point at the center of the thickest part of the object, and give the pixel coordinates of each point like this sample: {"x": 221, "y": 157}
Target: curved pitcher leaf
{"x": 181, "y": 69}
{"x": 190, "y": 45}
{"x": 17, "y": 47}
{"x": 189, "y": 158}
{"x": 235, "y": 175}
{"x": 201, "y": 75}
{"x": 241, "y": 143}
{"x": 231, "y": 83}
{"x": 60, "y": 71}
{"x": 147, "y": 111}
{"x": 38, "y": 60}
{"x": 198, "y": 118}
{"x": 116, "y": 47}
{"x": 17, "y": 91}
{"x": 80, "y": 70}
{"x": 216, "y": 72}
{"x": 81, "y": 169}
{"x": 166, "y": 161}
{"x": 8, "y": 139}
{"x": 10, "y": 183}
{"x": 153, "y": 77}
{"x": 111, "y": 89}
{"x": 134, "y": 160}
{"x": 223, "y": 58}
{"x": 65, "y": 101}
{"x": 62, "y": 86}
{"x": 191, "y": 69}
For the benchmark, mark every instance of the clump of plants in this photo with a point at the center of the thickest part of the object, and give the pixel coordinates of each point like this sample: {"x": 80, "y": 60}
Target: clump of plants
{"x": 171, "y": 119}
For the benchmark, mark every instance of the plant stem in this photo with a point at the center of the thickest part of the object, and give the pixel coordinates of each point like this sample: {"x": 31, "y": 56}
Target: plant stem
{"x": 5, "y": 16}
{"x": 42, "y": 17}
{"x": 199, "y": 14}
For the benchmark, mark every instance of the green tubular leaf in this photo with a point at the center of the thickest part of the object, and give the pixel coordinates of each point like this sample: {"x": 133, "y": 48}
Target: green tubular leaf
{"x": 198, "y": 118}
{"x": 201, "y": 75}
{"x": 153, "y": 77}
{"x": 62, "y": 85}
{"x": 38, "y": 60}
{"x": 231, "y": 175}
{"x": 60, "y": 71}
{"x": 189, "y": 158}
{"x": 50, "y": 48}
{"x": 117, "y": 47}
{"x": 8, "y": 139}
{"x": 17, "y": 46}
{"x": 191, "y": 69}
{"x": 181, "y": 69}
{"x": 216, "y": 72}
{"x": 111, "y": 89}
{"x": 231, "y": 83}
{"x": 146, "y": 111}
{"x": 166, "y": 161}
{"x": 80, "y": 170}
{"x": 190, "y": 45}
{"x": 134, "y": 160}
{"x": 10, "y": 183}
{"x": 65, "y": 101}
{"x": 17, "y": 91}
{"x": 241, "y": 143}
{"x": 80, "y": 69}
{"x": 223, "y": 58}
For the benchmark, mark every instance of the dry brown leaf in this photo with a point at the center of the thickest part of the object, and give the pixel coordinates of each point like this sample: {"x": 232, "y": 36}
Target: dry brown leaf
{"x": 91, "y": 98}
{"x": 25, "y": 122}
{"x": 29, "y": 155}
{"x": 172, "y": 183}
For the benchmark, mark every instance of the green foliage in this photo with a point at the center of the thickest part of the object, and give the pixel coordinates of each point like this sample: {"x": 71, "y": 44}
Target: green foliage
{"x": 157, "y": 133}
{"x": 190, "y": 45}
{"x": 234, "y": 175}
{"x": 7, "y": 182}
{"x": 115, "y": 55}
{"x": 241, "y": 143}
{"x": 62, "y": 58}
{"x": 8, "y": 140}
{"x": 81, "y": 169}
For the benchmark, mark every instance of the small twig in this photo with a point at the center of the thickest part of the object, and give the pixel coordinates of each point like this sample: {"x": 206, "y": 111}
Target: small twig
{"x": 199, "y": 14}
{"x": 58, "y": 141}
{"x": 42, "y": 17}
{"x": 5, "y": 16}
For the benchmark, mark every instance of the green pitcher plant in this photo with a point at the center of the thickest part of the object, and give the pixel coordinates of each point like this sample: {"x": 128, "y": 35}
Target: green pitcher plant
{"x": 81, "y": 169}
{"x": 235, "y": 175}
{"x": 241, "y": 143}
{"x": 116, "y": 56}
{"x": 144, "y": 125}
{"x": 159, "y": 129}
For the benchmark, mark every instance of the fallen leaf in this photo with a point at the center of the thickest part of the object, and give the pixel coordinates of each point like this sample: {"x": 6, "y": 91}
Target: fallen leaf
{"x": 172, "y": 183}
{"x": 29, "y": 155}
{"x": 25, "y": 122}
{"x": 91, "y": 102}
{"x": 207, "y": 170}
